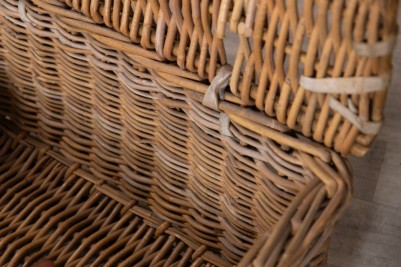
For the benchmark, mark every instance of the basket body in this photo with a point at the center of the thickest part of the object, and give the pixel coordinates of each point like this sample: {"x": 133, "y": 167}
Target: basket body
{"x": 130, "y": 145}
{"x": 322, "y": 69}
{"x": 50, "y": 208}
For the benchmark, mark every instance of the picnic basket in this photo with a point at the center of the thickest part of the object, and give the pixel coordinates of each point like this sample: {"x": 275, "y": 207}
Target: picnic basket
{"x": 253, "y": 215}
{"x": 320, "y": 67}
{"x": 124, "y": 141}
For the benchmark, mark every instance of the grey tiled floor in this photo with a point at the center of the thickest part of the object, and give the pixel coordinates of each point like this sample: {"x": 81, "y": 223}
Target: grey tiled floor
{"x": 369, "y": 233}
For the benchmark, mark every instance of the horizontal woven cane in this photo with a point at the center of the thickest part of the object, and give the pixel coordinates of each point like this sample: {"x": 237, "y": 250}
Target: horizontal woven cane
{"x": 51, "y": 207}
{"x": 53, "y": 210}
{"x": 320, "y": 67}
{"x": 134, "y": 146}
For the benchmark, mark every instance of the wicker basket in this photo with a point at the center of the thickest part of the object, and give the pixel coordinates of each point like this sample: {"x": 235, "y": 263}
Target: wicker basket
{"x": 110, "y": 156}
{"x": 320, "y": 67}
{"x": 52, "y": 208}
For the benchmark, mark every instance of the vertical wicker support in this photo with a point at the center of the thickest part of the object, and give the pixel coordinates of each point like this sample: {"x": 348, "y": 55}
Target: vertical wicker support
{"x": 138, "y": 131}
{"x": 45, "y": 70}
{"x": 77, "y": 81}
{"x": 172, "y": 173}
{"x": 106, "y": 153}
{"x": 207, "y": 163}
{"x": 5, "y": 98}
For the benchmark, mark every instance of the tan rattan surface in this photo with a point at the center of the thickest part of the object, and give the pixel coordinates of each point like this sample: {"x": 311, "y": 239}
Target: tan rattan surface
{"x": 119, "y": 126}
{"x": 52, "y": 208}
{"x": 320, "y": 67}
{"x": 48, "y": 209}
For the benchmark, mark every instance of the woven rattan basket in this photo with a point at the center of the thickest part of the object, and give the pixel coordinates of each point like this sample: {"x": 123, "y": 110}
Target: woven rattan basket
{"x": 320, "y": 67}
{"x": 53, "y": 208}
{"x": 121, "y": 143}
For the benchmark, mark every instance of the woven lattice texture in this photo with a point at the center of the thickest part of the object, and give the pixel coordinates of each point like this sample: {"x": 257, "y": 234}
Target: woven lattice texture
{"x": 320, "y": 67}
{"x": 235, "y": 182}
{"x": 50, "y": 208}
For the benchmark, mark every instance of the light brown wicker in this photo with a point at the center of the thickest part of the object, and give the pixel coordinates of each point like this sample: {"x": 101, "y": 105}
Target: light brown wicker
{"x": 248, "y": 211}
{"x": 320, "y": 67}
{"x": 113, "y": 152}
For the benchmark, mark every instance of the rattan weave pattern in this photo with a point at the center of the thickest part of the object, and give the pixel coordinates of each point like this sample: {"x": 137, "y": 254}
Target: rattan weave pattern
{"x": 52, "y": 208}
{"x": 321, "y": 68}
{"x": 233, "y": 181}
{"x": 49, "y": 210}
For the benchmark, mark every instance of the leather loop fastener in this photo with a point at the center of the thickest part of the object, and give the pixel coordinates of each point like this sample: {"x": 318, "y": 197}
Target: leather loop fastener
{"x": 351, "y": 85}
{"x": 366, "y": 127}
{"x": 215, "y": 91}
{"x": 377, "y": 49}
{"x": 225, "y": 125}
